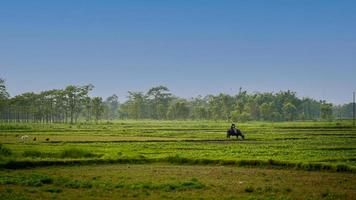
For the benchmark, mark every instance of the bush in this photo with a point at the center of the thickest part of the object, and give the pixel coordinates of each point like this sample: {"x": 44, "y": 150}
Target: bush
{"x": 37, "y": 154}
{"x": 76, "y": 153}
{"x": 34, "y": 180}
{"x": 12, "y": 196}
{"x": 54, "y": 190}
{"x": 342, "y": 168}
{"x": 75, "y": 184}
{"x": 32, "y": 153}
{"x": 4, "y": 151}
{"x": 167, "y": 187}
{"x": 177, "y": 159}
{"x": 249, "y": 189}
{"x": 37, "y": 180}
{"x": 328, "y": 195}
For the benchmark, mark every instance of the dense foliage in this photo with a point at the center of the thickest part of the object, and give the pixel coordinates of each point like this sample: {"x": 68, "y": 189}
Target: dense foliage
{"x": 74, "y": 103}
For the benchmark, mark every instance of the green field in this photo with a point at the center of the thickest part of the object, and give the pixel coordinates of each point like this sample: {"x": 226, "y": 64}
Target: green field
{"x": 178, "y": 159}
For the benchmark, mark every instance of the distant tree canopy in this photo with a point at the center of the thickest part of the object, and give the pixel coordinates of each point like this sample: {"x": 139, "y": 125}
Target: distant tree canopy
{"x": 73, "y": 104}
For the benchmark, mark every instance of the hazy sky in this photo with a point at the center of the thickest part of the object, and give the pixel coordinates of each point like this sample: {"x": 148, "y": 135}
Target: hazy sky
{"x": 193, "y": 47}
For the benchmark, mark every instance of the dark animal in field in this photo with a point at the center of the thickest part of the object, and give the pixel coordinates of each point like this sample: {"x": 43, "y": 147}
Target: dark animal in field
{"x": 236, "y": 132}
{"x": 47, "y": 139}
{"x": 34, "y": 139}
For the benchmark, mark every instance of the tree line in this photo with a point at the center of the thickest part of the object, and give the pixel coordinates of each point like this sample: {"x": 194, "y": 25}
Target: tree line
{"x": 74, "y": 103}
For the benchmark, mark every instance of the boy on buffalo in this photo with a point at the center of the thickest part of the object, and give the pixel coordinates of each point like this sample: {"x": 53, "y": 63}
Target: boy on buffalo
{"x": 234, "y": 131}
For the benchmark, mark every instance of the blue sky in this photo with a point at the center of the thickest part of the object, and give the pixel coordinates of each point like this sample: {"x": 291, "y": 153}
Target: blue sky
{"x": 195, "y": 47}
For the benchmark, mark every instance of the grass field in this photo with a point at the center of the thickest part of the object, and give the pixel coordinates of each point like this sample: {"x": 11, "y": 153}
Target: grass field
{"x": 178, "y": 159}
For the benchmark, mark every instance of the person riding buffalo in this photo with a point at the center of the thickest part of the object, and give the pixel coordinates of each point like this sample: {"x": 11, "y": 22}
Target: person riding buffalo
{"x": 234, "y": 131}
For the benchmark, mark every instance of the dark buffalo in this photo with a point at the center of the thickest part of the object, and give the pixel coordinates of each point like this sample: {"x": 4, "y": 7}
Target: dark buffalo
{"x": 235, "y": 132}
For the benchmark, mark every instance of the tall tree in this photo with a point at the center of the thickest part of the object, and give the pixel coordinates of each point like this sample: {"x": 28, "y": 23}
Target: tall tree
{"x": 88, "y": 108}
{"x": 76, "y": 95}
{"x": 326, "y": 111}
{"x": 73, "y": 103}
{"x": 178, "y": 109}
{"x": 159, "y": 97}
{"x": 136, "y": 105}
{"x": 4, "y": 95}
{"x": 98, "y": 107}
{"x": 112, "y": 103}
{"x": 289, "y": 111}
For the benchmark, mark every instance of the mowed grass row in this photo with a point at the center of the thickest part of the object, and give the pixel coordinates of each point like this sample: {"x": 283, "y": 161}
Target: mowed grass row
{"x": 319, "y": 145}
{"x": 167, "y": 127}
{"x": 178, "y": 129}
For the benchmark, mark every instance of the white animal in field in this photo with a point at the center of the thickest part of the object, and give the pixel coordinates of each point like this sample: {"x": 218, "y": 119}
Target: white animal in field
{"x": 24, "y": 138}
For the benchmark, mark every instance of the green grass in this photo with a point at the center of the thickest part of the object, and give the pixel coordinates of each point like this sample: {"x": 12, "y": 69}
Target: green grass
{"x": 34, "y": 180}
{"x": 166, "y": 181}
{"x": 4, "y": 151}
{"x": 322, "y": 147}
{"x": 76, "y": 153}
{"x": 301, "y": 145}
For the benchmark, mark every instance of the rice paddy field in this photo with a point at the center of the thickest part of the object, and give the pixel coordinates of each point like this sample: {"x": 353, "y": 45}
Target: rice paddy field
{"x": 178, "y": 160}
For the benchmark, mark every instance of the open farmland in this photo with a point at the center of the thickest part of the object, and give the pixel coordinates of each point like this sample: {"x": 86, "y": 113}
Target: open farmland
{"x": 176, "y": 100}
{"x": 178, "y": 159}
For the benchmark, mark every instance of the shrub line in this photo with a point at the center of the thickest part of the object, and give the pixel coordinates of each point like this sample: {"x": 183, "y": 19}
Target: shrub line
{"x": 22, "y": 164}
